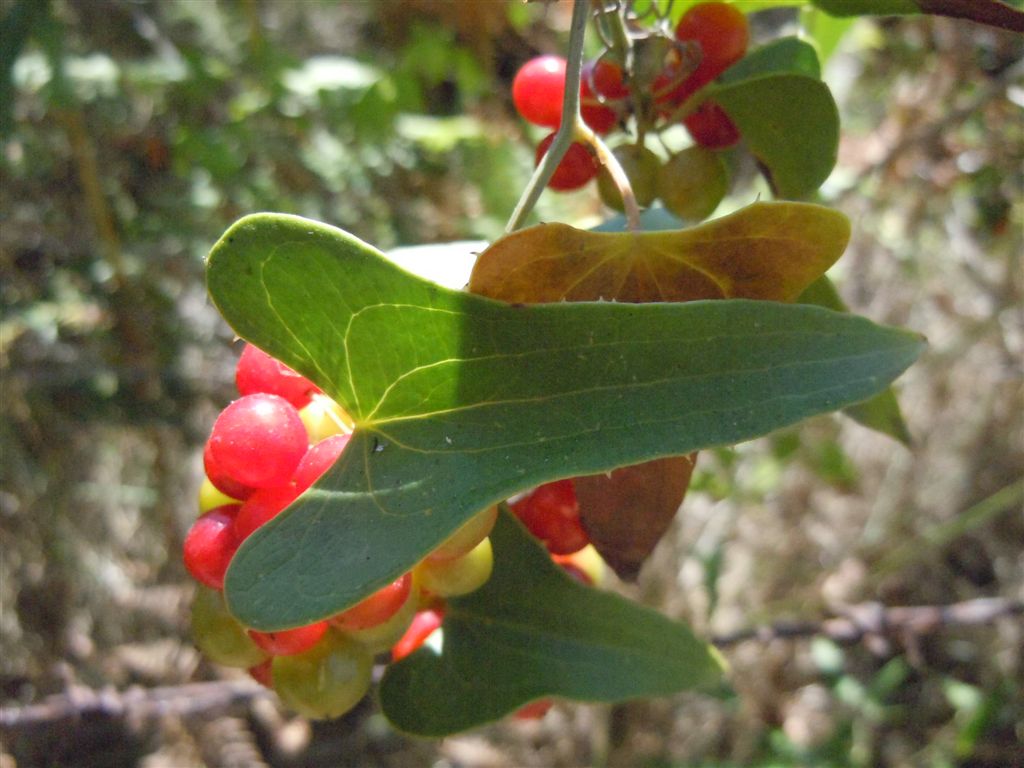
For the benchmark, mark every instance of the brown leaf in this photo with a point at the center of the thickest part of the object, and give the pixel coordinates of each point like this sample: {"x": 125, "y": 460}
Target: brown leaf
{"x": 627, "y": 511}
{"x": 767, "y": 251}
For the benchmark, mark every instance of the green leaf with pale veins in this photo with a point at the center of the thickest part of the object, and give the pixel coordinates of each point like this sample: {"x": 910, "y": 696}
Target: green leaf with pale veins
{"x": 882, "y": 412}
{"x": 532, "y": 632}
{"x": 461, "y": 401}
{"x": 789, "y": 122}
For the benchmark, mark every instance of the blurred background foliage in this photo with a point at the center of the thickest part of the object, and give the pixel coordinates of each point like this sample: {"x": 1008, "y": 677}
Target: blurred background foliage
{"x": 135, "y": 131}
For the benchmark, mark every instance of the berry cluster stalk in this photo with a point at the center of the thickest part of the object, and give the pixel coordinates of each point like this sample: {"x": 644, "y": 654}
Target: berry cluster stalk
{"x": 572, "y": 128}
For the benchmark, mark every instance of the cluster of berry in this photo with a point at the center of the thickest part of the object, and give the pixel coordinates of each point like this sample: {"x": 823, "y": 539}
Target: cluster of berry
{"x": 708, "y": 39}
{"x": 264, "y": 450}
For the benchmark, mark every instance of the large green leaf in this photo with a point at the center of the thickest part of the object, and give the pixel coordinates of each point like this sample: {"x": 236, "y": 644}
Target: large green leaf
{"x": 532, "y": 632}
{"x": 790, "y": 123}
{"x": 461, "y": 401}
{"x": 882, "y": 412}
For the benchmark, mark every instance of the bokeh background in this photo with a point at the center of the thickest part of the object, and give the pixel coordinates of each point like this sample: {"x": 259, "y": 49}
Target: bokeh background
{"x": 135, "y": 131}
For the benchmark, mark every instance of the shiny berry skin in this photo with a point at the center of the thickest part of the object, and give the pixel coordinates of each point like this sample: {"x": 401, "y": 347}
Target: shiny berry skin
{"x": 603, "y": 79}
{"x": 722, "y": 33}
{"x": 218, "y": 635}
{"x": 258, "y": 440}
{"x": 263, "y": 673}
{"x": 262, "y": 506}
{"x": 377, "y": 608}
{"x": 693, "y": 182}
{"x": 711, "y": 127}
{"x": 538, "y": 90}
{"x": 534, "y": 710}
{"x": 459, "y": 576}
{"x": 576, "y": 169}
{"x": 220, "y": 480}
{"x": 552, "y": 514}
{"x": 210, "y": 544}
{"x": 423, "y": 626}
{"x": 326, "y": 681}
{"x": 289, "y": 641}
{"x": 259, "y": 372}
{"x": 318, "y": 459}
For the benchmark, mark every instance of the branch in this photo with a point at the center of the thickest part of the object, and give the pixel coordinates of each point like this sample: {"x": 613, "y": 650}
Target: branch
{"x": 137, "y": 703}
{"x": 868, "y": 620}
{"x": 990, "y": 12}
{"x": 566, "y": 133}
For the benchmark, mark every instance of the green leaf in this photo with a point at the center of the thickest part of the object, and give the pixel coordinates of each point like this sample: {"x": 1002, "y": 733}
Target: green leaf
{"x": 532, "y": 632}
{"x": 788, "y": 55}
{"x": 825, "y": 30}
{"x": 882, "y": 412}
{"x": 790, "y": 123}
{"x": 461, "y": 401}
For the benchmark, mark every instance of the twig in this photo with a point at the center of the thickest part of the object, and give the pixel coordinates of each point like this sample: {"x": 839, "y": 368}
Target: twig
{"x": 868, "y": 620}
{"x": 566, "y": 133}
{"x": 137, "y": 703}
{"x": 989, "y": 12}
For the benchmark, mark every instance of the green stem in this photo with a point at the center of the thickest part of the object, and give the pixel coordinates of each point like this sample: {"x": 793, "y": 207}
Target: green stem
{"x": 570, "y": 119}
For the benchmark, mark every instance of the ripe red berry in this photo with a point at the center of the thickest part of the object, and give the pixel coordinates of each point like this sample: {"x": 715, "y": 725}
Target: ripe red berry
{"x": 576, "y": 169}
{"x": 318, "y": 459}
{"x": 534, "y": 710}
{"x": 423, "y": 626}
{"x": 210, "y": 544}
{"x": 263, "y": 673}
{"x": 262, "y": 506}
{"x": 552, "y": 514}
{"x": 259, "y": 372}
{"x": 722, "y": 32}
{"x": 377, "y": 608}
{"x": 289, "y": 641}
{"x": 258, "y": 440}
{"x": 711, "y": 127}
{"x": 602, "y": 79}
{"x": 221, "y": 481}
{"x": 538, "y": 90}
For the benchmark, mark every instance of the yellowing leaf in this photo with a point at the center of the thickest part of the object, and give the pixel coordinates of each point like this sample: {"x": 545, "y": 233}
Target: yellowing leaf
{"x": 765, "y": 251}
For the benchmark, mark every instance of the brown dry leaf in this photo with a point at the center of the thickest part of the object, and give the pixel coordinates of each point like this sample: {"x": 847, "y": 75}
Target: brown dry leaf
{"x": 769, "y": 251}
{"x": 628, "y": 510}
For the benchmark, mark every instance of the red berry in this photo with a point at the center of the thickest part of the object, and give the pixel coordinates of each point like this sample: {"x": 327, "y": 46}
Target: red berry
{"x": 262, "y": 506}
{"x": 424, "y": 624}
{"x": 221, "y": 481}
{"x": 711, "y": 127}
{"x": 600, "y": 78}
{"x": 576, "y": 169}
{"x": 258, "y": 440}
{"x": 377, "y": 608}
{"x": 259, "y": 372}
{"x": 533, "y": 711}
{"x": 289, "y": 641}
{"x": 210, "y": 544}
{"x": 538, "y": 90}
{"x": 722, "y": 32}
{"x": 318, "y": 459}
{"x": 263, "y": 673}
{"x": 552, "y": 514}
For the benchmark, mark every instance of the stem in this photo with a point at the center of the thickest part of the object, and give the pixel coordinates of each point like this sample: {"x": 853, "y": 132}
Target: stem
{"x": 615, "y": 170}
{"x": 571, "y": 120}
